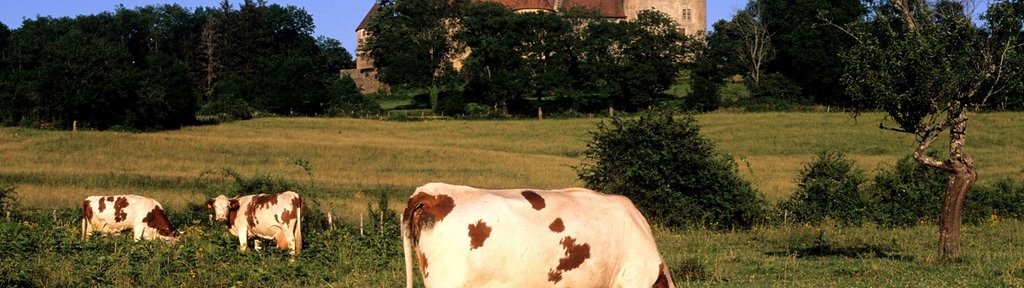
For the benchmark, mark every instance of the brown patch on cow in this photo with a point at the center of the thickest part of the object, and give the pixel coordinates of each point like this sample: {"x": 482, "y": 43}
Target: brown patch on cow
{"x": 259, "y": 202}
{"x": 119, "y": 205}
{"x": 156, "y": 219}
{"x": 232, "y": 212}
{"x": 101, "y": 205}
{"x": 575, "y": 255}
{"x": 478, "y": 233}
{"x": 288, "y": 215}
{"x": 86, "y": 210}
{"x": 423, "y": 210}
{"x": 535, "y": 199}
{"x": 422, "y": 258}
{"x": 663, "y": 279}
{"x": 557, "y": 226}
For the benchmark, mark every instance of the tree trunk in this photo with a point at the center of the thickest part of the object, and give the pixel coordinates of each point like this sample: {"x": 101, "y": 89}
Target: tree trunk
{"x": 960, "y": 168}
{"x": 961, "y": 177}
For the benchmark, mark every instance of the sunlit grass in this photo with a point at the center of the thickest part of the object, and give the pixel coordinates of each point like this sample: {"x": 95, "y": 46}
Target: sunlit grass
{"x": 350, "y": 155}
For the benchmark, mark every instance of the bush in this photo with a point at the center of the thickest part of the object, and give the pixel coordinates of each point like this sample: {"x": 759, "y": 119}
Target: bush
{"x": 672, "y": 174}
{"x": 774, "y": 93}
{"x": 909, "y": 194}
{"x": 1004, "y": 199}
{"x": 829, "y": 188}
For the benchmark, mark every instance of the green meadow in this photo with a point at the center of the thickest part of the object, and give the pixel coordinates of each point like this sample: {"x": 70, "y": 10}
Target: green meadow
{"x": 346, "y": 163}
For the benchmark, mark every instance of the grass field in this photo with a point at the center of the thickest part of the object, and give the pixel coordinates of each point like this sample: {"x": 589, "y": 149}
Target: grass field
{"x": 349, "y": 161}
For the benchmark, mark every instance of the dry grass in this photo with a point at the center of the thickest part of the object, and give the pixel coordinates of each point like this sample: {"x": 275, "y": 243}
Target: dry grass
{"x": 351, "y": 158}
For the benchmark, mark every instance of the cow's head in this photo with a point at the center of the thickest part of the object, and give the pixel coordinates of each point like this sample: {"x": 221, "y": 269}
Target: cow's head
{"x": 222, "y": 206}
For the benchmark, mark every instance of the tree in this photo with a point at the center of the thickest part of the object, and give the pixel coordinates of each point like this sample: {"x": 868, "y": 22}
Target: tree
{"x": 925, "y": 64}
{"x": 806, "y": 50}
{"x": 754, "y": 48}
{"x": 412, "y": 43}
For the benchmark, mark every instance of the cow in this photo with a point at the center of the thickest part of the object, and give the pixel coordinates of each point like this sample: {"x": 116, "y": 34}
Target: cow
{"x": 112, "y": 214}
{"x": 575, "y": 237}
{"x": 267, "y": 216}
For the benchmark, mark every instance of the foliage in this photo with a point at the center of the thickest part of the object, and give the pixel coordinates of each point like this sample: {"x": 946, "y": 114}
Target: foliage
{"x": 806, "y": 46}
{"x": 774, "y": 93}
{"x": 8, "y": 196}
{"x": 829, "y": 189}
{"x": 908, "y": 194}
{"x": 411, "y": 42}
{"x": 672, "y": 173}
{"x": 350, "y": 102}
{"x": 382, "y": 238}
{"x": 157, "y": 67}
{"x": 992, "y": 202}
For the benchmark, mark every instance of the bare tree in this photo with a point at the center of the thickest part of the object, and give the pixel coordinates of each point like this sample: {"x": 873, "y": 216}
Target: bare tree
{"x": 755, "y": 45}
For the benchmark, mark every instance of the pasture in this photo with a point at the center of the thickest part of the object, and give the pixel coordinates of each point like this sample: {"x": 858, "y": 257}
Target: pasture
{"x": 343, "y": 164}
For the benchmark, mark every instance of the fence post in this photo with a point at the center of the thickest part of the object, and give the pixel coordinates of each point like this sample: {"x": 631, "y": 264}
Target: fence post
{"x": 360, "y": 225}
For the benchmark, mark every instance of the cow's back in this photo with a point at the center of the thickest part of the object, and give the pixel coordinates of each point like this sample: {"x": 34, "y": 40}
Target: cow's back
{"x": 532, "y": 238}
{"x": 111, "y": 213}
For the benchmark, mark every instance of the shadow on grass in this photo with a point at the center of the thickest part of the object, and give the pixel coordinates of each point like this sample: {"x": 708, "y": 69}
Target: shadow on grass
{"x": 828, "y": 249}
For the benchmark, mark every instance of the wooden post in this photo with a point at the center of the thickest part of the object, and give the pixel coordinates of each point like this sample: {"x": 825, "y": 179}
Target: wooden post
{"x": 381, "y": 230}
{"x": 74, "y": 125}
{"x": 330, "y": 220}
{"x": 54, "y": 215}
{"x": 540, "y": 113}
{"x": 360, "y": 225}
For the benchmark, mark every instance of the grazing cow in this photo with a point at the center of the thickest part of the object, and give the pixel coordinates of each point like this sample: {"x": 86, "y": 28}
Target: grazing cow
{"x": 112, "y": 214}
{"x": 468, "y": 237}
{"x": 268, "y": 216}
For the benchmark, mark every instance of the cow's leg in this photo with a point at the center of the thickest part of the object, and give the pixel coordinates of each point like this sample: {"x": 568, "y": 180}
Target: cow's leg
{"x": 137, "y": 232}
{"x": 257, "y": 244}
{"x": 243, "y": 235}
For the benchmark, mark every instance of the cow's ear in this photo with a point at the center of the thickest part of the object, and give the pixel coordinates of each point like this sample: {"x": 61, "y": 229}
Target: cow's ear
{"x": 233, "y": 204}
{"x": 209, "y": 204}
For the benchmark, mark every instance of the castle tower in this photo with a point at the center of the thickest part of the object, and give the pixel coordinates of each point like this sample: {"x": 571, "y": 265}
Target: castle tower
{"x": 690, "y": 14}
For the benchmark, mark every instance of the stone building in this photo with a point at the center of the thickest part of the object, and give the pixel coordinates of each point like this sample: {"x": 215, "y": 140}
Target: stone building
{"x": 690, "y": 15}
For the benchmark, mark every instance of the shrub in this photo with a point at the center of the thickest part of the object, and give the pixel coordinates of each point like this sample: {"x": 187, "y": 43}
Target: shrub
{"x": 1004, "y": 199}
{"x": 828, "y": 188}
{"x": 672, "y": 174}
{"x": 774, "y": 93}
{"x": 908, "y": 194}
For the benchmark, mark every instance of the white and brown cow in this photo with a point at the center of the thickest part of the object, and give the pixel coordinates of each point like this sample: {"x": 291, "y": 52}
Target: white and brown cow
{"x": 268, "y": 216}
{"x": 468, "y": 237}
{"x": 112, "y": 214}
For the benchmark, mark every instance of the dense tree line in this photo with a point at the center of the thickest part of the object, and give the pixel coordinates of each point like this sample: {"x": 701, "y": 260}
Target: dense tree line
{"x": 799, "y": 47}
{"x": 788, "y": 54}
{"x": 159, "y": 67}
{"x": 516, "y": 63}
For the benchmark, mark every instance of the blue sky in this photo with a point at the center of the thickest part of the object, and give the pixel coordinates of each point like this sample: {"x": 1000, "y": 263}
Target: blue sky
{"x": 333, "y": 18}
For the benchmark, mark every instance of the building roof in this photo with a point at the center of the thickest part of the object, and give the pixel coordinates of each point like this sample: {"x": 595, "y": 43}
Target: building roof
{"x": 608, "y": 8}
{"x": 373, "y": 11}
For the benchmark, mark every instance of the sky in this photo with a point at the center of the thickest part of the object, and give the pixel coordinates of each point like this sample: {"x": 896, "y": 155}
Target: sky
{"x": 333, "y": 18}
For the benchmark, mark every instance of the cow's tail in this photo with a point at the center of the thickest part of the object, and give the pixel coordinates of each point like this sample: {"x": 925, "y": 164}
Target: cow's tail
{"x": 298, "y": 226}
{"x": 407, "y": 249}
{"x": 85, "y": 222}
